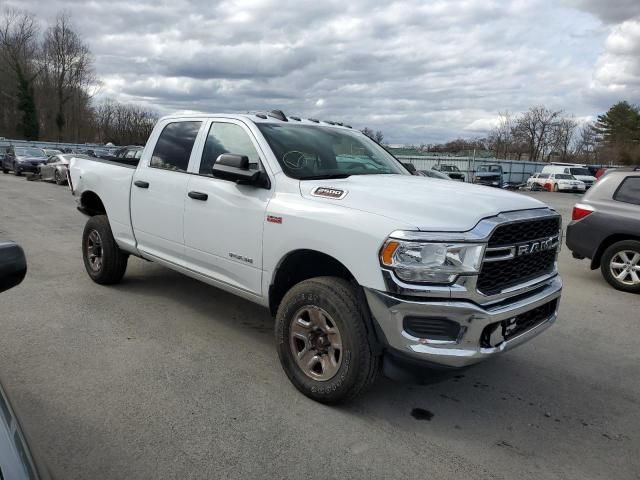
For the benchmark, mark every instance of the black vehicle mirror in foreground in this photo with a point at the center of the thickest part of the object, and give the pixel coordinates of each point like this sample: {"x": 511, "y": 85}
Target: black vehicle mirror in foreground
{"x": 235, "y": 168}
{"x": 13, "y": 265}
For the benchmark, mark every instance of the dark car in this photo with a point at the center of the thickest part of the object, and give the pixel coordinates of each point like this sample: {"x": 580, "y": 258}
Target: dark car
{"x": 451, "y": 170}
{"x": 606, "y": 228}
{"x": 432, "y": 174}
{"x": 490, "y": 175}
{"x": 17, "y": 460}
{"x": 23, "y": 159}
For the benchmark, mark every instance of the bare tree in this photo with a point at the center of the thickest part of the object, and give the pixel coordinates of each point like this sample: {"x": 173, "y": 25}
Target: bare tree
{"x": 535, "y": 128}
{"x": 563, "y": 137}
{"x": 501, "y": 137}
{"x": 18, "y": 54}
{"x": 68, "y": 63}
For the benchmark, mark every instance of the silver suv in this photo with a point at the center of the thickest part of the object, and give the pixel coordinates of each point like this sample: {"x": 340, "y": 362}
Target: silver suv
{"x": 606, "y": 228}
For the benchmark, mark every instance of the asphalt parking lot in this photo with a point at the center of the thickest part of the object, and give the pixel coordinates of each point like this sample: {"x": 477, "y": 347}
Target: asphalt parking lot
{"x": 165, "y": 377}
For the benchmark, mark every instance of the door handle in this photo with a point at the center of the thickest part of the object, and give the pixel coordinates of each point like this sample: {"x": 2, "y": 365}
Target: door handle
{"x": 198, "y": 196}
{"x": 141, "y": 184}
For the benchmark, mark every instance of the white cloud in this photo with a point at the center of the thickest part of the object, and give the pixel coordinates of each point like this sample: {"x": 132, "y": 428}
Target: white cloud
{"x": 419, "y": 71}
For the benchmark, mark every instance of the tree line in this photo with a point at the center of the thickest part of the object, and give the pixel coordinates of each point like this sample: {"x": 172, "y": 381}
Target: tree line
{"x": 48, "y": 87}
{"x": 543, "y": 134}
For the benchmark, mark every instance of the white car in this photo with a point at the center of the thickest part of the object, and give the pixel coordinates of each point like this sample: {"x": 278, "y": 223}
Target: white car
{"x": 580, "y": 172}
{"x": 561, "y": 182}
{"x": 361, "y": 263}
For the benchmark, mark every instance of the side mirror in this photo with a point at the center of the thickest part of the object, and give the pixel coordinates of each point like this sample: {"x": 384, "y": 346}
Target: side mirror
{"x": 235, "y": 168}
{"x": 411, "y": 167}
{"x": 13, "y": 265}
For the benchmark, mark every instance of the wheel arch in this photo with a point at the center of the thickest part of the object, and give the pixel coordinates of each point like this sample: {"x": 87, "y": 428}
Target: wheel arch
{"x": 91, "y": 204}
{"x": 606, "y": 243}
{"x": 299, "y": 265}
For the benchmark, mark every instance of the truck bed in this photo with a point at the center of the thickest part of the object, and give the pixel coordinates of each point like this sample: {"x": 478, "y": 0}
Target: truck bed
{"x": 110, "y": 181}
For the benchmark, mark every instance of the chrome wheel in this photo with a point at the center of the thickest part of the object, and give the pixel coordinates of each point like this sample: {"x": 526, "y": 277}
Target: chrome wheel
{"x": 94, "y": 251}
{"x": 625, "y": 267}
{"x": 316, "y": 343}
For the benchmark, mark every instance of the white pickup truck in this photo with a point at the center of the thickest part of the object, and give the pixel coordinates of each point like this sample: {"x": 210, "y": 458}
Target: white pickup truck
{"x": 364, "y": 266}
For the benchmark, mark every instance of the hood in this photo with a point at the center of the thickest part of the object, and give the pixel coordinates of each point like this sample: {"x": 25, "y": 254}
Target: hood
{"x": 488, "y": 174}
{"x": 427, "y": 203}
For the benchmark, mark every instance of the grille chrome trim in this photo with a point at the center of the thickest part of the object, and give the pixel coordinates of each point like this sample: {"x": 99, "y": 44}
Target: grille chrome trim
{"x": 465, "y": 286}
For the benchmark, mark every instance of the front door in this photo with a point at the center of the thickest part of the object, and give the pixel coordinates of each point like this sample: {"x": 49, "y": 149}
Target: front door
{"x": 223, "y": 221}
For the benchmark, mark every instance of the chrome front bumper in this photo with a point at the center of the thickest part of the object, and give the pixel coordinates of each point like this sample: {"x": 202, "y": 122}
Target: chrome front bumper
{"x": 389, "y": 311}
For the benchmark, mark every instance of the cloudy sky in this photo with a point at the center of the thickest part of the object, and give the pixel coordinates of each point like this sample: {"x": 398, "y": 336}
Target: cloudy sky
{"x": 420, "y": 71}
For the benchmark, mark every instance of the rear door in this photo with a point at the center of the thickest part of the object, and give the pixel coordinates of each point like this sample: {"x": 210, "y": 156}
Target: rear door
{"x": 223, "y": 221}
{"x": 159, "y": 190}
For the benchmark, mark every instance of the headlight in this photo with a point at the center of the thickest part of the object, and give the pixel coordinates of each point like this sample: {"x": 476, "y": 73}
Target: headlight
{"x": 431, "y": 262}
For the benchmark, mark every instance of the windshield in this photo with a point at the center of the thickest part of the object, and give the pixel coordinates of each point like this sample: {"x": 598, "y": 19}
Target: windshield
{"x": 449, "y": 168}
{"x": 580, "y": 171}
{"x": 30, "y": 152}
{"x": 490, "y": 168}
{"x": 562, "y": 176}
{"x": 307, "y": 152}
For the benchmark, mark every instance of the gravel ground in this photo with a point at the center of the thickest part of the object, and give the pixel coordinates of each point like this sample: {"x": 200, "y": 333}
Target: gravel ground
{"x": 165, "y": 377}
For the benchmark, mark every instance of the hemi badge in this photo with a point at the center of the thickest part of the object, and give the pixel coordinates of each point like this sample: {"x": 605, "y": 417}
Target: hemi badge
{"x": 327, "y": 192}
{"x": 272, "y": 219}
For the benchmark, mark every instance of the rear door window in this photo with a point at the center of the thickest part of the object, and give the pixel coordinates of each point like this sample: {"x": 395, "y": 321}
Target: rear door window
{"x": 174, "y": 145}
{"x": 628, "y": 191}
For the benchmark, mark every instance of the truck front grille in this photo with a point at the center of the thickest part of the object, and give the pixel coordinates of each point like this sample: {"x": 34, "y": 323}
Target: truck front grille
{"x": 495, "y": 276}
{"x": 512, "y": 233}
{"x": 522, "y": 323}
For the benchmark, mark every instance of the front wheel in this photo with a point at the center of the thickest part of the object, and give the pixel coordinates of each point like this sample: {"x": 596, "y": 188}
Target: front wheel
{"x": 104, "y": 261}
{"x": 555, "y": 187}
{"x": 323, "y": 342}
{"x": 620, "y": 265}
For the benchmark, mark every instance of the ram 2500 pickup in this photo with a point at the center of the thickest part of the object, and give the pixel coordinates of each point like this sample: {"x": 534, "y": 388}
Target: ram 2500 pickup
{"x": 364, "y": 266}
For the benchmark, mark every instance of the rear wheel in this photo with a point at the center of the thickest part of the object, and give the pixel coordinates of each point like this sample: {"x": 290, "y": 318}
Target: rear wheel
{"x": 57, "y": 176}
{"x": 620, "y": 265}
{"x": 104, "y": 261}
{"x": 322, "y": 340}
{"x": 16, "y": 172}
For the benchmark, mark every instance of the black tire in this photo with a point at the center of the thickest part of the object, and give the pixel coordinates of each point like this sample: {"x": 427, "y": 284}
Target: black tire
{"x": 113, "y": 262}
{"x": 4, "y": 170}
{"x": 58, "y": 178}
{"x": 555, "y": 188}
{"x": 16, "y": 172}
{"x": 605, "y": 265}
{"x": 359, "y": 366}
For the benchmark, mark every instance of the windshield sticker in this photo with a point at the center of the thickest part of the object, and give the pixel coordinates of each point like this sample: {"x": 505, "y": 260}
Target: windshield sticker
{"x": 328, "y": 192}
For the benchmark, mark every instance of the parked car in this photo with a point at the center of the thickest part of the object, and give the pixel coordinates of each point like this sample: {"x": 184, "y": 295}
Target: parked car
{"x": 23, "y": 159}
{"x": 561, "y": 182}
{"x": 489, "y": 174}
{"x": 359, "y": 262}
{"x": 432, "y": 174}
{"x": 451, "y": 170}
{"x": 606, "y": 228}
{"x": 17, "y": 458}
{"x": 580, "y": 172}
{"x": 49, "y": 152}
{"x": 55, "y": 169}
